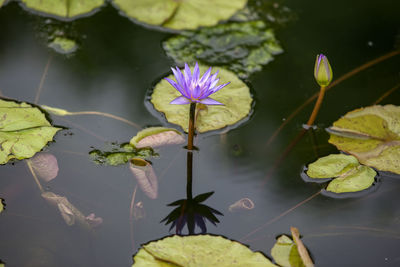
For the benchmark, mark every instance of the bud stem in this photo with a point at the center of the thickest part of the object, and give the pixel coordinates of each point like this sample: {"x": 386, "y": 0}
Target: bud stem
{"x": 317, "y": 106}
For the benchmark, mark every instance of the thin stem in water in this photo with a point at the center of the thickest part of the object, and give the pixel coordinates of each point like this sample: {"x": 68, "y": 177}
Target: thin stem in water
{"x": 317, "y": 106}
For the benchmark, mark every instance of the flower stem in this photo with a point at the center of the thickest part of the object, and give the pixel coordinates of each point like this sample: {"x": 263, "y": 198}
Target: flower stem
{"x": 191, "y": 125}
{"x": 317, "y": 106}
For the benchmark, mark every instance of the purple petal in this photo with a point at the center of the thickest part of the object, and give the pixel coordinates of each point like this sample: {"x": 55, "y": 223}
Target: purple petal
{"x": 210, "y": 101}
{"x": 219, "y": 87}
{"x": 196, "y": 92}
{"x": 205, "y": 76}
{"x": 178, "y": 76}
{"x": 188, "y": 75}
{"x": 196, "y": 73}
{"x": 180, "y": 100}
{"x": 175, "y": 85}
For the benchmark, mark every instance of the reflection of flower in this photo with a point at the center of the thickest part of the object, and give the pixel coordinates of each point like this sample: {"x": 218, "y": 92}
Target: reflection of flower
{"x": 192, "y": 213}
{"x": 193, "y": 88}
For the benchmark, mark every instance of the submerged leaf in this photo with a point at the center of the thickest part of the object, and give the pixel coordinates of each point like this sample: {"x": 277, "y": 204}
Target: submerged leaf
{"x": 45, "y": 166}
{"x": 357, "y": 179}
{"x": 241, "y": 205}
{"x": 156, "y": 137}
{"x": 372, "y": 135}
{"x": 93, "y": 221}
{"x": 138, "y": 211}
{"x": 331, "y": 166}
{"x": 63, "y": 45}
{"x": 236, "y": 98}
{"x": 64, "y": 9}
{"x": 198, "y": 250}
{"x": 120, "y": 154}
{"x": 145, "y": 176}
{"x": 69, "y": 212}
{"x": 188, "y": 14}
{"x": 24, "y": 130}
{"x": 240, "y": 47}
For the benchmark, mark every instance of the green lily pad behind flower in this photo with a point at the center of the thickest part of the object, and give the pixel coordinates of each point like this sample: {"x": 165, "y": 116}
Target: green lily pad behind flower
{"x": 198, "y": 250}
{"x": 236, "y": 98}
{"x": 179, "y": 15}
{"x": 372, "y": 135}
{"x": 241, "y": 47}
{"x": 63, "y": 9}
{"x": 24, "y": 130}
{"x": 348, "y": 174}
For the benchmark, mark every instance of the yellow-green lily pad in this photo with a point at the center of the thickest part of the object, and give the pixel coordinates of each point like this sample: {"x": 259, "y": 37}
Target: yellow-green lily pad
{"x": 357, "y": 179}
{"x": 179, "y": 15}
{"x": 285, "y": 253}
{"x": 331, "y": 166}
{"x": 1, "y": 205}
{"x": 372, "y": 135}
{"x": 24, "y": 130}
{"x": 63, "y": 9}
{"x": 198, "y": 250}
{"x": 2, "y": 2}
{"x": 236, "y": 98}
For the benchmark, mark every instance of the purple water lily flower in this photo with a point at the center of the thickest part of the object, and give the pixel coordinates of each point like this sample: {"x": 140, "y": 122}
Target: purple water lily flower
{"x": 195, "y": 88}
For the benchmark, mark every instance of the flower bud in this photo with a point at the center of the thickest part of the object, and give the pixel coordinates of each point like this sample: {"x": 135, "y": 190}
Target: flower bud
{"x": 322, "y": 71}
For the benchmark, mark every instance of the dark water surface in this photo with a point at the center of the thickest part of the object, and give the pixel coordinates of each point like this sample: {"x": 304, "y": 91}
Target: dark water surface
{"x": 118, "y": 61}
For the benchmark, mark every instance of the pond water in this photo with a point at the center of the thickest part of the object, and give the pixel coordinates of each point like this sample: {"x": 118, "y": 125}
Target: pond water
{"x": 118, "y": 61}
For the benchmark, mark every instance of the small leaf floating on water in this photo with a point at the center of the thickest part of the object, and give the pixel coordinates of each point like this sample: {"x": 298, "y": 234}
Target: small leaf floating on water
{"x": 156, "y": 137}
{"x": 139, "y": 211}
{"x": 63, "y": 45}
{"x": 241, "y": 205}
{"x": 45, "y": 166}
{"x": 1, "y": 205}
{"x": 145, "y": 176}
{"x": 305, "y": 256}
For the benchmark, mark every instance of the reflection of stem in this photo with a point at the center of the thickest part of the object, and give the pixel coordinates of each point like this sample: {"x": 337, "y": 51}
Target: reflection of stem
{"x": 131, "y": 217}
{"x": 314, "y": 142}
{"x": 279, "y": 216}
{"x": 317, "y": 106}
{"x": 386, "y": 94}
{"x": 334, "y": 83}
{"x": 189, "y": 182}
{"x": 191, "y": 125}
{"x": 28, "y": 162}
{"x": 42, "y": 79}
{"x": 105, "y": 115}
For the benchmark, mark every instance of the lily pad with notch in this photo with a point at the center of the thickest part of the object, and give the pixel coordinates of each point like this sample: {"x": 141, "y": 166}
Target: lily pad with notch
{"x": 372, "y": 135}
{"x": 179, "y": 15}
{"x": 24, "y": 130}
{"x": 236, "y": 98}
{"x": 242, "y": 47}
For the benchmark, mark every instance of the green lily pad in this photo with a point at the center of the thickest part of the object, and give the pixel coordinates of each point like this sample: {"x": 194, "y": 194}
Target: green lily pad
{"x": 285, "y": 252}
{"x": 2, "y": 2}
{"x": 179, "y": 15}
{"x": 357, "y": 179}
{"x": 241, "y": 47}
{"x": 372, "y": 135}
{"x": 64, "y": 9}
{"x": 24, "y": 130}
{"x": 198, "y": 250}
{"x": 157, "y": 136}
{"x": 63, "y": 45}
{"x": 236, "y": 98}
{"x": 120, "y": 154}
{"x": 331, "y": 166}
